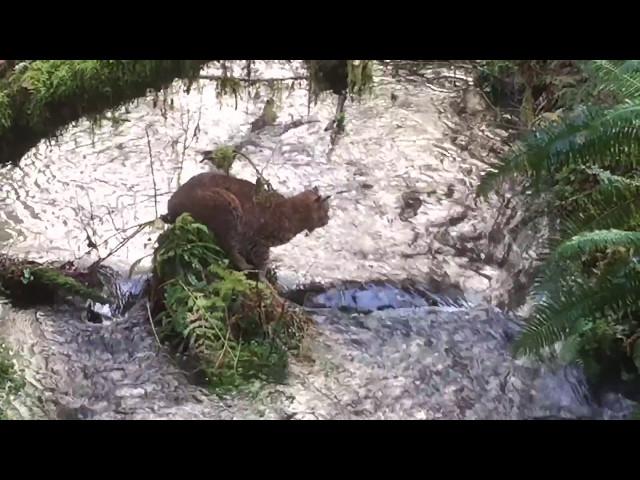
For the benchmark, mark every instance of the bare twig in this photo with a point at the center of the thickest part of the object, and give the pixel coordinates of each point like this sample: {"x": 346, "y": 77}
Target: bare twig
{"x": 446, "y": 90}
{"x": 185, "y": 130}
{"x": 258, "y": 172}
{"x": 152, "y": 325}
{"x": 335, "y": 124}
{"x": 113, "y": 222}
{"x": 143, "y": 224}
{"x": 273, "y": 154}
{"x": 296, "y": 123}
{"x": 90, "y": 243}
{"x": 120, "y": 245}
{"x": 153, "y": 175}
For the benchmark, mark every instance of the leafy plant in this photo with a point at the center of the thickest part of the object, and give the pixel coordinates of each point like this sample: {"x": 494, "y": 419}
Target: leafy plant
{"x": 238, "y": 330}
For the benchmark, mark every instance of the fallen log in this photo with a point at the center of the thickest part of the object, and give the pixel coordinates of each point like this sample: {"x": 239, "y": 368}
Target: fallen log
{"x": 37, "y": 101}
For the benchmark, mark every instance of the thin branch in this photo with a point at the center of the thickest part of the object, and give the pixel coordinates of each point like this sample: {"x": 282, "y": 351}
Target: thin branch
{"x": 185, "y": 130}
{"x": 254, "y": 166}
{"x": 336, "y": 127}
{"x": 253, "y": 79}
{"x": 297, "y": 123}
{"x": 273, "y": 154}
{"x": 152, "y": 325}
{"x": 113, "y": 222}
{"x": 119, "y": 246}
{"x": 153, "y": 175}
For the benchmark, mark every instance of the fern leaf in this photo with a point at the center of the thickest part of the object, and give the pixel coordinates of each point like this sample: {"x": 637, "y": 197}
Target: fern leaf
{"x": 591, "y": 136}
{"x": 621, "y": 78}
{"x": 592, "y": 242}
{"x": 576, "y": 303}
{"x": 613, "y": 204}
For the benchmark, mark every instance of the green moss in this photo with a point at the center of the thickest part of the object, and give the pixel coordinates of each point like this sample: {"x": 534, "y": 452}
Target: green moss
{"x": 223, "y": 158}
{"x": 11, "y": 383}
{"x": 238, "y": 330}
{"x": 25, "y": 283}
{"x": 5, "y": 111}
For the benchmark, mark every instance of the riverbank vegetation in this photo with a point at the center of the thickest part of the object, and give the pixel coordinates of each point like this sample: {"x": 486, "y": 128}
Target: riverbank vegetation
{"x": 11, "y": 382}
{"x": 237, "y": 330}
{"x": 582, "y": 160}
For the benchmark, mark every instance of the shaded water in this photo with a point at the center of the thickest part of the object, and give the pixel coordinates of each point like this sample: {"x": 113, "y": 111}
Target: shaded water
{"x": 380, "y": 351}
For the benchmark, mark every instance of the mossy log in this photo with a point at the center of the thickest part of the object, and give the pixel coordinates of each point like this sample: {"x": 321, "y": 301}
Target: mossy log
{"x": 28, "y": 283}
{"x": 39, "y": 98}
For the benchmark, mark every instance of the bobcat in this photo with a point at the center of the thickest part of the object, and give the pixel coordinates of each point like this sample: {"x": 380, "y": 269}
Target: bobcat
{"x": 245, "y": 225}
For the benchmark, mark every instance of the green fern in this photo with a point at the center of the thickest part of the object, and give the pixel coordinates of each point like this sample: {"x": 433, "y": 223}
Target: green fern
{"x": 218, "y": 315}
{"x": 577, "y": 304}
{"x": 620, "y": 78}
{"x": 587, "y": 295}
{"x": 587, "y": 244}
{"x": 591, "y": 136}
{"x": 613, "y": 203}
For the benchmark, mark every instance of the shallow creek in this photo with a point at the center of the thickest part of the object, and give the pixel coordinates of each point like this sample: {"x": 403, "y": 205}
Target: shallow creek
{"x": 405, "y": 322}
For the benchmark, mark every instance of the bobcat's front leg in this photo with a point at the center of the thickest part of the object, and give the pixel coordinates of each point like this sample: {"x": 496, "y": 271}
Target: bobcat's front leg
{"x": 259, "y": 256}
{"x": 239, "y": 261}
{"x": 244, "y": 266}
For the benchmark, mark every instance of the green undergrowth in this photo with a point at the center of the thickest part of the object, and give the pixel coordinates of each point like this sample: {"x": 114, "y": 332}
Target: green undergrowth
{"x": 47, "y": 95}
{"x": 11, "y": 383}
{"x": 530, "y": 90}
{"x": 238, "y": 330}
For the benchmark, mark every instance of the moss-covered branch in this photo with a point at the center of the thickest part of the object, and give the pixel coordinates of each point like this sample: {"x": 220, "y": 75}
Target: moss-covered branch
{"x": 25, "y": 282}
{"x": 46, "y": 95}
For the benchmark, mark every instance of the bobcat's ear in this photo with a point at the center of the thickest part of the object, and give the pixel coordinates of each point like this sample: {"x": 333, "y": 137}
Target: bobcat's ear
{"x": 315, "y": 190}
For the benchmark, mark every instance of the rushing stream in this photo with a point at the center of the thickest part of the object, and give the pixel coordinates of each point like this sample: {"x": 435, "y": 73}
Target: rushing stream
{"x": 403, "y": 306}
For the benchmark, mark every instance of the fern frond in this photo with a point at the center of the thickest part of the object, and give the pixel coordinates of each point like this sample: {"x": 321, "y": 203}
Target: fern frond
{"x": 591, "y": 136}
{"x": 555, "y": 315}
{"x": 621, "y": 78}
{"x": 577, "y": 303}
{"x": 613, "y": 204}
{"x": 589, "y": 243}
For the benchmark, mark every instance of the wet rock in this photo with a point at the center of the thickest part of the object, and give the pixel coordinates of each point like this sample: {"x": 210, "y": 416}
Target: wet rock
{"x": 411, "y": 203}
{"x": 451, "y": 190}
{"x": 472, "y": 102}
